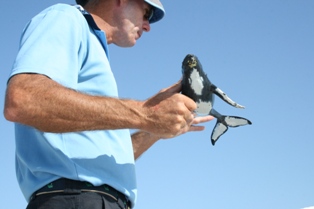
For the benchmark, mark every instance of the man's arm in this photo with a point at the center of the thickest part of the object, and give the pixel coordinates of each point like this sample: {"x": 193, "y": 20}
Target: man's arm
{"x": 38, "y": 101}
{"x": 142, "y": 141}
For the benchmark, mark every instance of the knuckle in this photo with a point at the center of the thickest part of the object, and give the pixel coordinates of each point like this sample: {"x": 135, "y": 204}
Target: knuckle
{"x": 177, "y": 119}
{"x": 177, "y": 128}
{"x": 181, "y": 109}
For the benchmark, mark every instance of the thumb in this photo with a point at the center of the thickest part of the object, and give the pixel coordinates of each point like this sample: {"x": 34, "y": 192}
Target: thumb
{"x": 175, "y": 88}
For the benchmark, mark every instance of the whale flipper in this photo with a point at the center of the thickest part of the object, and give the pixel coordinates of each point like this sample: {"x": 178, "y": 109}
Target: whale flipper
{"x": 224, "y": 97}
{"x": 224, "y": 122}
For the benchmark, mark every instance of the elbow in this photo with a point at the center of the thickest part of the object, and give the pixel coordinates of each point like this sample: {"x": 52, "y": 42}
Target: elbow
{"x": 8, "y": 114}
{"x": 14, "y": 104}
{"x": 16, "y": 97}
{"x": 10, "y": 111}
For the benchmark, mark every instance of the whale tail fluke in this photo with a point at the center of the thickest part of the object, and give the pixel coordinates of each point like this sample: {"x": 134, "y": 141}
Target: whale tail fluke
{"x": 224, "y": 122}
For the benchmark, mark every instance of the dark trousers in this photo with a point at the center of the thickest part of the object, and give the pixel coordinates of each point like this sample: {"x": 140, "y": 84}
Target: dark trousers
{"x": 84, "y": 200}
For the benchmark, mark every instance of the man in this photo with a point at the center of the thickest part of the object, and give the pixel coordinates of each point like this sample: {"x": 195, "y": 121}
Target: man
{"x": 73, "y": 146}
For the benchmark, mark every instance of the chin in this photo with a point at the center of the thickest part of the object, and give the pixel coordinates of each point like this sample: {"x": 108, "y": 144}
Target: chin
{"x": 127, "y": 44}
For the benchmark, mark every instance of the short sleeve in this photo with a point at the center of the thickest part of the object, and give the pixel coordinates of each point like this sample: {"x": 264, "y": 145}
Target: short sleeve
{"x": 51, "y": 45}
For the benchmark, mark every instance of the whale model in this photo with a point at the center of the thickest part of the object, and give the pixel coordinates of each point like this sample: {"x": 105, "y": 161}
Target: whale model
{"x": 197, "y": 86}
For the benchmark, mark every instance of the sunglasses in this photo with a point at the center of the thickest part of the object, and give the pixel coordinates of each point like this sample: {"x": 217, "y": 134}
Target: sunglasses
{"x": 149, "y": 14}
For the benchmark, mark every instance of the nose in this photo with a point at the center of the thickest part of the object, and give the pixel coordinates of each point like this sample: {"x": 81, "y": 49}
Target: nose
{"x": 146, "y": 26}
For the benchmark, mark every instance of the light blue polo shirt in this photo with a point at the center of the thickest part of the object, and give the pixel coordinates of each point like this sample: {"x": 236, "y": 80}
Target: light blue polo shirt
{"x": 60, "y": 44}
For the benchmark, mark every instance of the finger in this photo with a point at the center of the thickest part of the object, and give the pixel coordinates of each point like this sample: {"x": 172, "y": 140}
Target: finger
{"x": 189, "y": 118}
{"x": 203, "y": 119}
{"x": 196, "y": 128}
{"x": 199, "y": 120}
{"x": 175, "y": 88}
{"x": 190, "y": 104}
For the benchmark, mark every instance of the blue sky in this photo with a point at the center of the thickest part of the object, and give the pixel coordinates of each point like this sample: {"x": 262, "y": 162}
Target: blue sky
{"x": 261, "y": 53}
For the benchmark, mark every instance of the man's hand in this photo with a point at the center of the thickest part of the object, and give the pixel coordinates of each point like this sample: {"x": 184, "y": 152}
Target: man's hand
{"x": 170, "y": 113}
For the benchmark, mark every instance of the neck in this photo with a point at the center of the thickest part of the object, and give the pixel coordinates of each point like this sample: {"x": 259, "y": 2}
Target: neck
{"x": 103, "y": 18}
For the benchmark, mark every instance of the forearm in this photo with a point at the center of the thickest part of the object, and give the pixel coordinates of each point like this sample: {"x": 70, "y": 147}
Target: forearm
{"x": 142, "y": 141}
{"x": 50, "y": 107}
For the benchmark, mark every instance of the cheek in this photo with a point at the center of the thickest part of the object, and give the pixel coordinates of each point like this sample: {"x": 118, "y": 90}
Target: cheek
{"x": 128, "y": 26}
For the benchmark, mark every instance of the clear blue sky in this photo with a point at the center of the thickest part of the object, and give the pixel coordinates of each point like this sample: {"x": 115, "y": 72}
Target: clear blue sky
{"x": 261, "y": 53}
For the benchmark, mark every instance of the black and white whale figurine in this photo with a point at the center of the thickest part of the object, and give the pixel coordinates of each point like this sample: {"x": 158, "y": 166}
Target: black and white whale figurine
{"x": 197, "y": 86}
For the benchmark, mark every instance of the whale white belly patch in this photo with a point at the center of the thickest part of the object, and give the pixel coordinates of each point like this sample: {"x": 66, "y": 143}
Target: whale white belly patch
{"x": 196, "y": 82}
